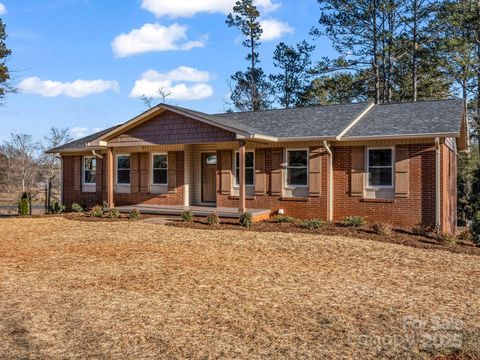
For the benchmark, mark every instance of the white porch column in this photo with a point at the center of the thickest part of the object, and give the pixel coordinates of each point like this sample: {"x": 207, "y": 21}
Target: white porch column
{"x": 241, "y": 182}
{"x": 110, "y": 181}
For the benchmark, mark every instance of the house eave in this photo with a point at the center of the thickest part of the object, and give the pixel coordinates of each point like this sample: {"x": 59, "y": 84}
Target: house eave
{"x": 400, "y": 136}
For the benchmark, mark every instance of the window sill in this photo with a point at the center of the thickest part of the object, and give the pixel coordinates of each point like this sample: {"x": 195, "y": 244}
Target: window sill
{"x": 235, "y": 197}
{"x": 380, "y": 201}
{"x": 299, "y": 199}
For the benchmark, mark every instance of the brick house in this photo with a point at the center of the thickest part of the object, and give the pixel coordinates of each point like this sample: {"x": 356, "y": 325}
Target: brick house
{"x": 391, "y": 163}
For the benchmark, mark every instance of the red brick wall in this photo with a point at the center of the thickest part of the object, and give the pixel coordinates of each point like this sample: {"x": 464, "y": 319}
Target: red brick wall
{"x": 311, "y": 207}
{"x": 417, "y": 208}
{"x": 88, "y": 200}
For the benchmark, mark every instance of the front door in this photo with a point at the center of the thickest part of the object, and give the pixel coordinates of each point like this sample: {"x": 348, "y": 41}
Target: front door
{"x": 209, "y": 171}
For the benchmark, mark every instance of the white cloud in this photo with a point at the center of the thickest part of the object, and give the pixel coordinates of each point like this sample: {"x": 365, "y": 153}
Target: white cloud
{"x": 77, "y": 88}
{"x": 274, "y": 29}
{"x": 174, "y": 82}
{"x": 154, "y": 37}
{"x": 3, "y": 9}
{"x": 189, "y": 8}
{"x": 79, "y": 132}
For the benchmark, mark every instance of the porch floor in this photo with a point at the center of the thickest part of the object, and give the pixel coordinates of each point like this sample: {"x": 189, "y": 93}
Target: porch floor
{"x": 222, "y": 212}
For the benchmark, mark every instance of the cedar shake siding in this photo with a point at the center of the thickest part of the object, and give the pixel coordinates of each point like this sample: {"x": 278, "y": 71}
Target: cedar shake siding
{"x": 172, "y": 128}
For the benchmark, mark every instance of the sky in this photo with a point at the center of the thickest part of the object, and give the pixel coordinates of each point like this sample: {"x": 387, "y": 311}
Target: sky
{"x": 83, "y": 64}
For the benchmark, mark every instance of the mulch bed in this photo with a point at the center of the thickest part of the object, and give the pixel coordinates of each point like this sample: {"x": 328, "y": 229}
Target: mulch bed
{"x": 400, "y": 236}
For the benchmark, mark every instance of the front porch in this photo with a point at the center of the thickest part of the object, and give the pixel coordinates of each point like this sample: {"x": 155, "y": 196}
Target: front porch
{"x": 222, "y": 212}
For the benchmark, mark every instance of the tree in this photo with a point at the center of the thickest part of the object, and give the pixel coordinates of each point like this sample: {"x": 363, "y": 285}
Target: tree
{"x": 22, "y": 153}
{"x": 294, "y": 64}
{"x": 5, "y": 86}
{"x": 250, "y": 89}
{"x": 148, "y": 100}
{"x": 337, "y": 88}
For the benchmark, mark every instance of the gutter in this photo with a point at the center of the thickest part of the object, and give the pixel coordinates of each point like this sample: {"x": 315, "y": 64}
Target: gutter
{"x": 437, "y": 184}
{"x": 330, "y": 181}
{"x": 94, "y": 153}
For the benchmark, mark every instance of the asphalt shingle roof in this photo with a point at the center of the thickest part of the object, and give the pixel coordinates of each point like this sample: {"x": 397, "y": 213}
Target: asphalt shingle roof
{"x": 429, "y": 117}
{"x": 319, "y": 121}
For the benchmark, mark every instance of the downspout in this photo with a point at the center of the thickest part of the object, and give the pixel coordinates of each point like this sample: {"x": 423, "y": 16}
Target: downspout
{"x": 437, "y": 184}
{"x": 61, "y": 180}
{"x": 330, "y": 180}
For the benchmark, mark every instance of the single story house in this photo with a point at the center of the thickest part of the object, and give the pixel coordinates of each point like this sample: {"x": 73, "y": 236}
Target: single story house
{"x": 394, "y": 163}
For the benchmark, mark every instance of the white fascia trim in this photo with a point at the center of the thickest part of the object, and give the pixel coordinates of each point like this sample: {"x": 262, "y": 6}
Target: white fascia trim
{"x": 306, "y": 138}
{"x": 356, "y": 120}
{"x": 400, "y": 136}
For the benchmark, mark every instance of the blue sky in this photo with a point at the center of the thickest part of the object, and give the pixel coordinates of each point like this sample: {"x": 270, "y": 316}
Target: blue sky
{"x": 82, "y": 63}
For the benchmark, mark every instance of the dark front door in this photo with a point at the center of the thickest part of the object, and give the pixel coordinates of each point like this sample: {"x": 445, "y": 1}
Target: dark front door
{"x": 209, "y": 171}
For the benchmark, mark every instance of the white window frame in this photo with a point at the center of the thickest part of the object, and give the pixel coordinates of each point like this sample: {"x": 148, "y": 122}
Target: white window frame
{"x": 237, "y": 182}
{"x": 83, "y": 170}
{"x": 116, "y": 169}
{"x": 367, "y": 172}
{"x": 287, "y": 185}
{"x": 152, "y": 178}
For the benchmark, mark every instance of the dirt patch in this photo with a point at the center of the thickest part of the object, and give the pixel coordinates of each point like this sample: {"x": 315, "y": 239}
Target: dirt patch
{"x": 132, "y": 290}
{"x": 398, "y": 236}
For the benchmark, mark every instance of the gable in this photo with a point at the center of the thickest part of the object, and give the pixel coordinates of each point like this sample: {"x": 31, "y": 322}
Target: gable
{"x": 171, "y": 128}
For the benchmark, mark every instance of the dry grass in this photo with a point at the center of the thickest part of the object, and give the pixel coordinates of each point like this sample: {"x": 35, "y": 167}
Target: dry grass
{"x": 136, "y": 290}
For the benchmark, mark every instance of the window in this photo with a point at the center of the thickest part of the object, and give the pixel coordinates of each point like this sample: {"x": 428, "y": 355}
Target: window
{"x": 297, "y": 167}
{"x": 123, "y": 169}
{"x": 380, "y": 167}
{"x": 160, "y": 169}
{"x": 89, "y": 170}
{"x": 211, "y": 160}
{"x": 249, "y": 168}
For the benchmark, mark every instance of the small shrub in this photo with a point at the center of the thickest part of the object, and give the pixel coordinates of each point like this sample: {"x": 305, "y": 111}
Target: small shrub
{"x": 284, "y": 219}
{"x": 382, "y": 229}
{"x": 77, "y": 208}
{"x": 465, "y": 235}
{"x": 187, "y": 216}
{"x": 311, "y": 224}
{"x": 114, "y": 214}
{"x": 96, "y": 211}
{"x": 56, "y": 208}
{"x": 354, "y": 221}
{"x": 213, "y": 219}
{"x": 446, "y": 238}
{"x": 134, "y": 214}
{"x": 422, "y": 230}
{"x": 24, "y": 206}
{"x": 246, "y": 220}
{"x": 105, "y": 205}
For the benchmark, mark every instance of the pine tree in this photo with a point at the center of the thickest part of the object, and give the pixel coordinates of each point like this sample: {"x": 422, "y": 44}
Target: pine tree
{"x": 5, "y": 86}
{"x": 294, "y": 63}
{"x": 250, "y": 89}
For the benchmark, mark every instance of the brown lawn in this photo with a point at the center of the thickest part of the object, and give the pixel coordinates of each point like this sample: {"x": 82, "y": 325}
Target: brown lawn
{"x": 136, "y": 290}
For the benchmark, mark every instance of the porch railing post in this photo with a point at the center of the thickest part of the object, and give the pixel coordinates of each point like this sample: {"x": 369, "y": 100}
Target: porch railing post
{"x": 110, "y": 180}
{"x": 241, "y": 155}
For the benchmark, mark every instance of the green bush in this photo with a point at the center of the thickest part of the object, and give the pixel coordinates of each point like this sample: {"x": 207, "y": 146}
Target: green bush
{"x": 465, "y": 235}
{"x": 56, "y": 208}
{"x": 24, "y": 207}
{"x": 77, "y": 208}
{"x": 134, "y": 214}
{"x": 213, "y": 219}
{"x": 284, "y": 219}
{"x": 105, "y": 205}
{"x": 311, "y": 224}
{"x": 187, "y": 216}
{"x": 382, "y": 229}
{"x": 475, "y": 228}
{"x": 114, "y": 213}
{"x": 96, "y": 211}
{"x": 354, "y": 221}
{"x": 246, "y": 220}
